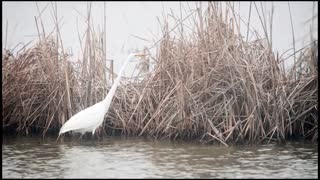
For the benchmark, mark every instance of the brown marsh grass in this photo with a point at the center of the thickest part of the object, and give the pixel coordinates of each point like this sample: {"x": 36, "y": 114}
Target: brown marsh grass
{"x": 210, "y": 85}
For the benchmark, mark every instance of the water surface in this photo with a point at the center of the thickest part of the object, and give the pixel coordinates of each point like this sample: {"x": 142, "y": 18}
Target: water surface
{"x": 117, "y": 157}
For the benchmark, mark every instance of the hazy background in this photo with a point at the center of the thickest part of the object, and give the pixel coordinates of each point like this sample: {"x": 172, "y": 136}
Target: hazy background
{"x": 125, "y": 19}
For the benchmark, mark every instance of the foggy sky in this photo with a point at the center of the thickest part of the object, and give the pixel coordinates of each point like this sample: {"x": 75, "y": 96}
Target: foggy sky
{"x": 124, "y": 19}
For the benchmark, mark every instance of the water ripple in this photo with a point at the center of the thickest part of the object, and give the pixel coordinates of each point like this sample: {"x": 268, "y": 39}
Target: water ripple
{"x": 136, "y": 158}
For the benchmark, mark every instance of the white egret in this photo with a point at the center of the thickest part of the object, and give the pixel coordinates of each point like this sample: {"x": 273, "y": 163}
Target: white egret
{"x": 89, "y": 119}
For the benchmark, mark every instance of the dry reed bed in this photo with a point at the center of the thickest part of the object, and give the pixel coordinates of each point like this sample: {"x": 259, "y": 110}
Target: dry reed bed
{"x": 209, "y": 86}
{"x": 42, "y": 89}
{"x": 34, "y": 85}
{"x": 215, "y": 86}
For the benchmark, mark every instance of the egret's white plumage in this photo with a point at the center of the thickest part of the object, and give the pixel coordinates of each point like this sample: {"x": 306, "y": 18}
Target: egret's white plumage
{"x": 92, "y": 117}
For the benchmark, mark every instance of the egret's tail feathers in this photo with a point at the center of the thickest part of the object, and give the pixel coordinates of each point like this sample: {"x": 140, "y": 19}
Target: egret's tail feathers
{"x": 61, "y": 131}
{"x": 64, "y": 129}
{"x": 67, "y": 126}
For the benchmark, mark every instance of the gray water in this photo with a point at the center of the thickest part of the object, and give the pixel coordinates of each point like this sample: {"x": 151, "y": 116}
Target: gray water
{"x": 139, "y": 158}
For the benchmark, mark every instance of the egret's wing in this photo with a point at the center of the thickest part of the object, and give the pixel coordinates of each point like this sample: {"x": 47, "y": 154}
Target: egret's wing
{"x": 84, "y": 119}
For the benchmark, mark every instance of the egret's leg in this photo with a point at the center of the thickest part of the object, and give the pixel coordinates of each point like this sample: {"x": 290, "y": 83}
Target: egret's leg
{"x": 81, "y": 136}
{"x": 93, "y": 133}
{"x": 93, "y": 137}
{"x": 98, "y": 135}
{"x": 57, "y": 138}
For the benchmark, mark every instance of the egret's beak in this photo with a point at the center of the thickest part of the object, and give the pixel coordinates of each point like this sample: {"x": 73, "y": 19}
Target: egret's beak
{"x": 141, "y": 55}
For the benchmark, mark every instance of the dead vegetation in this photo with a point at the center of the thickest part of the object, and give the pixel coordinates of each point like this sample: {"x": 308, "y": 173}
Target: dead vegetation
{"x": 210, "y": 86}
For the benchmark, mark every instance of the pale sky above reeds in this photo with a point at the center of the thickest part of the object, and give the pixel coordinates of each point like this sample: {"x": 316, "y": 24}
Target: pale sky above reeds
{"x": 125, "y": 19}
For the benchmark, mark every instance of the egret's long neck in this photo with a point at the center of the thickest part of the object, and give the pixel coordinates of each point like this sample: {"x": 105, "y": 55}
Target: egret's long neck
{"x": 108, "y": 99}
